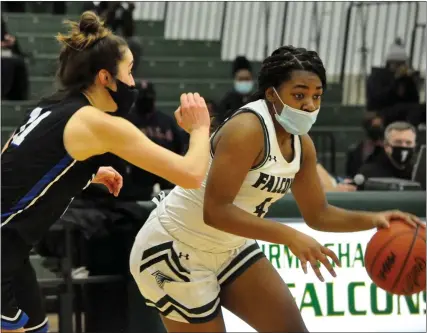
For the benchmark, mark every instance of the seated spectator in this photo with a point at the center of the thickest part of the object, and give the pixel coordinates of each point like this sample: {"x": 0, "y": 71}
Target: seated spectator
{"x": 90, "y": 5}
{"x": 330, "y": 184}
{"x": 412, "y": 113}
{"x": 360, "y": 153}
{"x": 14, "y": 72}
{"x": 161, "y": 129}
{"x": 394, "y": 84}
{"x": 396, "y": 159}
{"x": 213, "y": 113}
{"x": 212, "y": 107}
{"x": 128, "y": 32}
{"x": 14, "y": 7}
{"x": 118, "y": 16}
{"x": 44, "y": 7}
{"x": 243, "y": 87}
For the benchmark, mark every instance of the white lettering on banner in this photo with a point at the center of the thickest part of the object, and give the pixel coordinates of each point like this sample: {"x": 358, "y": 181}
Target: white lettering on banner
{"x": 348, "y": 303}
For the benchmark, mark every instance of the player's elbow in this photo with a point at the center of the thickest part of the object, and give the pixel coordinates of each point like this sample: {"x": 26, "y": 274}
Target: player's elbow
{"x": 214, "y": 214}
{"x": 315, "y": 224}
{"x": 317, "y": 221}
{"x": 209, "y": 214}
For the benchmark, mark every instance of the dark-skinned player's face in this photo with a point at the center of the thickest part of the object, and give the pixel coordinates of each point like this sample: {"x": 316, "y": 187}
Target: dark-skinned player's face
{"x": 303, "y": 92}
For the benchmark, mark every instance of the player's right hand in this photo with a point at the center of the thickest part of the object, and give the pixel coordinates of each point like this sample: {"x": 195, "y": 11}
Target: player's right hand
{"x": 308, "y": 250}
{"x": 192, "y": 113}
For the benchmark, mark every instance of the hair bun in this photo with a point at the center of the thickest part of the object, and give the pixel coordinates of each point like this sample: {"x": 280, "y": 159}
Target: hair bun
{"x": 85, "y": 33}
{"x": 90, "y": 23}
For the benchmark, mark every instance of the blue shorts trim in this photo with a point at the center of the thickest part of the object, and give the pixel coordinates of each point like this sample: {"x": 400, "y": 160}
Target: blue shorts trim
{"x": 14, "y": 323}
{"x": 42, "y": 328}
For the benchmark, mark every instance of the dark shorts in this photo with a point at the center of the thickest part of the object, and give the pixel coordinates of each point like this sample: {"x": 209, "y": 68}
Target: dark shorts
{"x": 21, "y": 298}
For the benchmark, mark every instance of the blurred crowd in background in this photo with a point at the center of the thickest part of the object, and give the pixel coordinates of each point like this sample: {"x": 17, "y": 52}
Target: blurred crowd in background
{"x": 393, "y": 123}
{"x": 392, "y": 95}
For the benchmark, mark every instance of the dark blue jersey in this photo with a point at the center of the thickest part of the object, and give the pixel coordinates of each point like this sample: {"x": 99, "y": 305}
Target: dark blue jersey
{"x": 39, "y": 177}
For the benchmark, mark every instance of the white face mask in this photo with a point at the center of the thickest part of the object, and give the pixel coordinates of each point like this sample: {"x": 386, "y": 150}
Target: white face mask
{"x": 243, "y": 87}
{"x": 295, "y": 121}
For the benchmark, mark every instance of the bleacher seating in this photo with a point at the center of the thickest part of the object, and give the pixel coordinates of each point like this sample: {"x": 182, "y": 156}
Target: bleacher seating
{"x": 175, "y": 66}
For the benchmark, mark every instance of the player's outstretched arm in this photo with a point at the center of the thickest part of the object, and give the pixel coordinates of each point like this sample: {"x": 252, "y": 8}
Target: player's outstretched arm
{"x": 91, "y": 132}
{"x": 318, "y": 214}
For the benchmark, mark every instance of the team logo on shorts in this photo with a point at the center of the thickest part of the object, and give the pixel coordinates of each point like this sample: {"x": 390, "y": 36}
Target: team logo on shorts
{"x": 161, "y": 278}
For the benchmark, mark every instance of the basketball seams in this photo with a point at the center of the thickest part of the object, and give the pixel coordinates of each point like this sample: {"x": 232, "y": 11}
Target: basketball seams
{"x": 385, "y": 245}
{"x": 405, "y": 261}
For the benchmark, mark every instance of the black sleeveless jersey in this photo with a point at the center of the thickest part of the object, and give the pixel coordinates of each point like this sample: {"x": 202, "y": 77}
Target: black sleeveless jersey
{"x": 39, "y": 177}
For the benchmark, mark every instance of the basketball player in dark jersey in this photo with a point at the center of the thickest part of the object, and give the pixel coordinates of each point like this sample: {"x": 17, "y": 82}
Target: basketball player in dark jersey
{"x": 56, "y": 153}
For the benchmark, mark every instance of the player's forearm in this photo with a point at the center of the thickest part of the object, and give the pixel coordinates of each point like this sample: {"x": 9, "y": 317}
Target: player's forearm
{"x": 197, "y": 157}
{"x": 231, "y": 219}
{"x": 334, "y": 219}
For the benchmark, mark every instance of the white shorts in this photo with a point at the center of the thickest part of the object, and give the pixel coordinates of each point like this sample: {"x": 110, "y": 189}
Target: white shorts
{"x": 182, "y": 282}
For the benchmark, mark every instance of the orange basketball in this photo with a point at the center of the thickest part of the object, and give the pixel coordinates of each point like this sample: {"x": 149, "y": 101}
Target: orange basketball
{"x": 395, "y": 259}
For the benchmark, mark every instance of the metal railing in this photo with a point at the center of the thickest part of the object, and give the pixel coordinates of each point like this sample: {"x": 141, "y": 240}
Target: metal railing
{"x": 370, "y": 29}
{"x": 68, "y": 289}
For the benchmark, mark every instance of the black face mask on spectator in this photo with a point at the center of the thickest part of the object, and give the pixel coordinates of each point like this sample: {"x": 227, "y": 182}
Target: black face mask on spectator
{"x": 375, "y": 132}
{"x": 145, "y": 105}
{"x": 402, "y": 156}
{"x": 146, "y": 99}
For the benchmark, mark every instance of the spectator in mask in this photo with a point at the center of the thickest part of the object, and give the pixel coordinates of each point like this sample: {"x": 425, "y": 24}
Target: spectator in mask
{"x": 242, "y": 89}
{"x": 160, "y": 128}
{"x": 395, "y": 84}
{"x": 360, "y": 153}
{"x": 396, "y": 159}
{"x": 14, "y": 74}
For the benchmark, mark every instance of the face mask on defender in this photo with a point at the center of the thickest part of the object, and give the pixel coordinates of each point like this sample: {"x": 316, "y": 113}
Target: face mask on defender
{"x": 124, "y": 97}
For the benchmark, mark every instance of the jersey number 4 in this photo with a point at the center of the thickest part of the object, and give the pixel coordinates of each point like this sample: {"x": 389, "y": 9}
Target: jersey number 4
{"x": 259, "y": 210}
{"x": 35, "y": 118}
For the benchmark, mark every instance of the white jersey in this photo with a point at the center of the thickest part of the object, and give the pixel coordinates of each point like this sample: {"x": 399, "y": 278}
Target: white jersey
{"x": 181, "y": 212}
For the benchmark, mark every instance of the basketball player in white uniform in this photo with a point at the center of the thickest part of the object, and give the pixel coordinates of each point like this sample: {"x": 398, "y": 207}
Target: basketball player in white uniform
{"x": 197, "y": 251}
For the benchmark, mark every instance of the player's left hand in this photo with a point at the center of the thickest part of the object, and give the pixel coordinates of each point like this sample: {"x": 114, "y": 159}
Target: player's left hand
{"x": 110, "y": 178}
{"x": 382, "y": 220}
